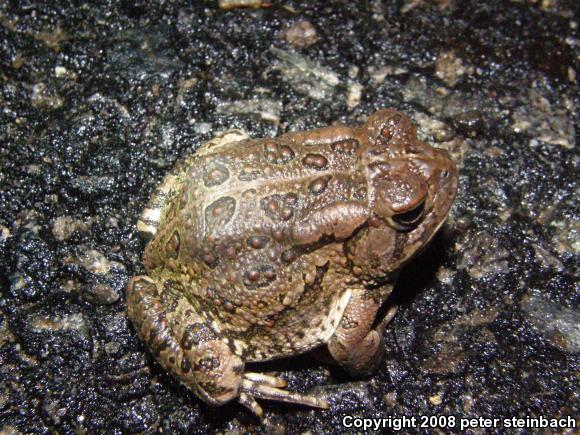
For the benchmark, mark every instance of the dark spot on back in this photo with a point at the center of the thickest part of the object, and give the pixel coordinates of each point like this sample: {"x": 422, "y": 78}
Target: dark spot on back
{"x": 278, "y": 235}
{"x": 315, "y": 161}
{"x": 219, "y": 212}
{"x": 319, "y": 185}
{"x": 215, "y": 174}
{"x": 277, "y": 154}
{"x": 347, "y": 146}
{"x": 248, "y": 173}
{"x": 259, "y": 276}
{"x": 257, "y": 242}
{"x": 289, "y": 256}
{"x": 279, "y": 207}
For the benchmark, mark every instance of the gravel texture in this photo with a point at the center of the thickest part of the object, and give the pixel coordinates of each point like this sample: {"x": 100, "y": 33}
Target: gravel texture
{"x": 97, "y": 103}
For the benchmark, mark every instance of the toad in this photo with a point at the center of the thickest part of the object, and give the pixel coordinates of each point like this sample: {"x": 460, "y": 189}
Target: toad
{"x": 268, "y": 248}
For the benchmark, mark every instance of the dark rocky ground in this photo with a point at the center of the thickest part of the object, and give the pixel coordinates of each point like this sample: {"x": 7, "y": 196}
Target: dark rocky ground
{"x": 98, "y": 103}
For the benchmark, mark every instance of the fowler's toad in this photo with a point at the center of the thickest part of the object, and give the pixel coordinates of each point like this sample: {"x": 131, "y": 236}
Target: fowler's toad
{"x": 267, "y": 248}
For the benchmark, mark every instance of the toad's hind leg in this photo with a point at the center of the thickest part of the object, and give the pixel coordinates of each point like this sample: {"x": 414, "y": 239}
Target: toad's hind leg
{"x": 189, "y": 348}
{"x": 182, "y": 342}
{"x": 356, "y": 345}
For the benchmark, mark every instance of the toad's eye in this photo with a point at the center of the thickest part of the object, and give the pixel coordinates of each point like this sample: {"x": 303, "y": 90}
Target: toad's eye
{"x": 410, "y": 218}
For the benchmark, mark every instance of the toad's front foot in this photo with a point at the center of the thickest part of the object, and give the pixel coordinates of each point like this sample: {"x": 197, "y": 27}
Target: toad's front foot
{"x": 257, "y": 385}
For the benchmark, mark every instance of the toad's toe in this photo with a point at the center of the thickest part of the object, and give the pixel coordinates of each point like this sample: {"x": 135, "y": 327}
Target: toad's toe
{"x": 255, "y": 385}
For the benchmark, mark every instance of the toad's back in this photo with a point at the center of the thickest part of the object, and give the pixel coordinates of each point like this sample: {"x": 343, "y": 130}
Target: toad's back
{"x": 269, "y": 186}
{"x": 246, "y": 225}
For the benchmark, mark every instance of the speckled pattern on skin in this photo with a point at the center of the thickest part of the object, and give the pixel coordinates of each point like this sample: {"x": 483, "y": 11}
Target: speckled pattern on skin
{"x": 268, "y": 248}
